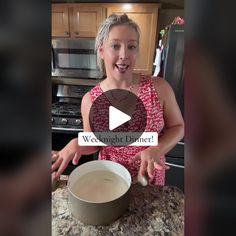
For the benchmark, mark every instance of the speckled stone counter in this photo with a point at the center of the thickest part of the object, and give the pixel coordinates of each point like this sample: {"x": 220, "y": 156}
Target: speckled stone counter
{"x": 152, "y": 211}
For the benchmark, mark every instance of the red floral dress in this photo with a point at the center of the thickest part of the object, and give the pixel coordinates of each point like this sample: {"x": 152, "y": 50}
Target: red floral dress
{"x": 155, "y": 123}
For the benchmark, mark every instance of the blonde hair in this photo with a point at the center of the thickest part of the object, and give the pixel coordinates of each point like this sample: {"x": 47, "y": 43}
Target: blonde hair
{"x": 111, "y": 21}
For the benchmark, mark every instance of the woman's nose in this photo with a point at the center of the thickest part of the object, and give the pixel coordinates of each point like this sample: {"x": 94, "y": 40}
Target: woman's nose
{"x": 123, "y": 53}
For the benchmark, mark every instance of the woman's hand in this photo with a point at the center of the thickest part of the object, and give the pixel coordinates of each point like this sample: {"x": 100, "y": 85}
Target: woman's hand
{"x": 150, "y": 160}
{"x": 60, "y": 159}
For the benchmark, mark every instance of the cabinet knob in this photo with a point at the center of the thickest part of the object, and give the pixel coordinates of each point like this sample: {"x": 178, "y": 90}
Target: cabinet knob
{"x": 76, "y": 32}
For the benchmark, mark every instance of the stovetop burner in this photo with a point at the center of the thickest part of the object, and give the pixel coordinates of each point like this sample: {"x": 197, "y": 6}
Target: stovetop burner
{"x": 66, "y": 109}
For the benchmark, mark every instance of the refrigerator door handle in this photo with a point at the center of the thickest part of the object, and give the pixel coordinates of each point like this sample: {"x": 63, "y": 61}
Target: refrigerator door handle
{"x": 174, "y": 165}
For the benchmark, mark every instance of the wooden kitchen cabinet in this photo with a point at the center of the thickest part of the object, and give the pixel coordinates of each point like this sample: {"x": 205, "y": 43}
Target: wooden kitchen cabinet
{"x": 85, "y": 21}
{"x": 146, "y": 16}
{"x": 60, "y": 21}
{"x": 76, "y": 20}
{"x": 73, "y": 20}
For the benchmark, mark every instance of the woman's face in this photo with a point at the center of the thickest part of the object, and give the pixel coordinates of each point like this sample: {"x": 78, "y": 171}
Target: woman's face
{"x": 120, "y": 52}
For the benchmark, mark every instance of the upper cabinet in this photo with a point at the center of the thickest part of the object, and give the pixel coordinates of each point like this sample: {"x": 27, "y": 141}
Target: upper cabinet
{"x": 76, "y": 20}
{"x": 86, "y": 21}
{"x": 83, "y": 20}
{"x": 60, "y": 21}
{"x": 146, "y": 16}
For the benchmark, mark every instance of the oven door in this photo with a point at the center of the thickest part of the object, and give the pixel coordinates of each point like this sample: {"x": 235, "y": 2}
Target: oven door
{"x": 74, "y": 58}
{"x": 60, "y": 138}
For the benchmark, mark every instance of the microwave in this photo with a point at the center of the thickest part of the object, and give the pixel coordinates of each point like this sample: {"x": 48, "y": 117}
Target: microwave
{"x": 74, "y": 58}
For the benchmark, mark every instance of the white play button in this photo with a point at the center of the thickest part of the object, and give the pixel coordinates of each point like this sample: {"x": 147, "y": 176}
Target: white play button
{"x": 117, "y": 118}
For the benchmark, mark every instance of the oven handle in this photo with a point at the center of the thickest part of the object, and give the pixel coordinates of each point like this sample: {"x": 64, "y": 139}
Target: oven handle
{"x": 52, "y": 59}
{"x": 174, "y": 165}
{"x": 181, "y": 143}
{"x": 67, "y": 129}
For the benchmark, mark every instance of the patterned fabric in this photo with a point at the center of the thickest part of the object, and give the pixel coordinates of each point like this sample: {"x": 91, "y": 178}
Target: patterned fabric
{"x": 155, "y": 123}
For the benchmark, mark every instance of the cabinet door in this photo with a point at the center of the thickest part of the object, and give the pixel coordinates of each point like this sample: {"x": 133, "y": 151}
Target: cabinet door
{"x": 85, "y": 21}
{"x": 146, "y": 17}
{"x": 60, "y": 21}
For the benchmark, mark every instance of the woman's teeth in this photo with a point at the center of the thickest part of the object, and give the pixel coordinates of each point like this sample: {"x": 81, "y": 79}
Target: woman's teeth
{"x": 122, "y": 68}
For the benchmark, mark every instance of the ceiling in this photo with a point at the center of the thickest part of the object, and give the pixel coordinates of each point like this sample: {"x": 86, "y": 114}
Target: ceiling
{"x": 166, "y": 4}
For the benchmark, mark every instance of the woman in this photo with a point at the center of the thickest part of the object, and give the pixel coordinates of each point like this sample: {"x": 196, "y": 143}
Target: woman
{"x": 117, "y": 45}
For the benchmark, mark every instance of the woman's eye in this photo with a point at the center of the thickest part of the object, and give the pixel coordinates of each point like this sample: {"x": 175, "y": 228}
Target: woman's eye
{"x": 132, "y": 46}
{"x": 115, "y": 46}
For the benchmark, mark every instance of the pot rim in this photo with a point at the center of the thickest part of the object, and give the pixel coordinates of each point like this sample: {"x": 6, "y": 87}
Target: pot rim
{"x": 128, "y": 181}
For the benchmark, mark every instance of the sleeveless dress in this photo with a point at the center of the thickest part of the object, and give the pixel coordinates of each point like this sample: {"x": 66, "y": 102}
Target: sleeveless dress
{"x": 155, "y": 123}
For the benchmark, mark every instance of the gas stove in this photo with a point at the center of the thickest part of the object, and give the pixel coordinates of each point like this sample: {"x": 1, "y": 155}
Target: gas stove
{"x": 66, "y": 117}
{"x": 66, "y": 114}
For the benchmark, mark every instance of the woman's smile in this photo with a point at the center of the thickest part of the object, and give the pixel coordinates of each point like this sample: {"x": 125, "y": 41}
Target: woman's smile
{"x": 121, "y": 68}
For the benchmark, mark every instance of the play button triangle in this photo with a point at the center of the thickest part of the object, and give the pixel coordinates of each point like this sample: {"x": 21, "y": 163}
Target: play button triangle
{"x": 117, "y": 118}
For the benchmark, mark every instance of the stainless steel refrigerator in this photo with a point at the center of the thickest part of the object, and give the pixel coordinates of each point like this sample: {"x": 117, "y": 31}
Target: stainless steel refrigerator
{"x": 173, "y": 72}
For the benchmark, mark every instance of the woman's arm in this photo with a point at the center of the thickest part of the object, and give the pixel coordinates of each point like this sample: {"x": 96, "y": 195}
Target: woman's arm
{"x": 174, "y": 130}
{"x": 174, "y": 123}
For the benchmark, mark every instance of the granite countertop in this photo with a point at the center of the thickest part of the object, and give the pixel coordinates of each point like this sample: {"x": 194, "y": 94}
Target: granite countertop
{"x": 153, "y": 211}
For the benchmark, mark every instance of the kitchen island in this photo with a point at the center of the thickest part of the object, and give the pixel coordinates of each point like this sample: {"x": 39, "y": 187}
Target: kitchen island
{"x": 152, "y": 211}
